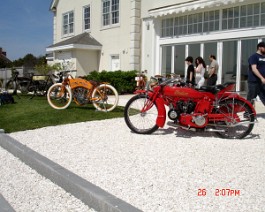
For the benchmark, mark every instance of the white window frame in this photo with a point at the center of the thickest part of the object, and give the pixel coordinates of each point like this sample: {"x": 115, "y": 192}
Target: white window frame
{"x": 109, "y": 13}
{"x": 86, "y": 18}
{"x": 66, "y": 27}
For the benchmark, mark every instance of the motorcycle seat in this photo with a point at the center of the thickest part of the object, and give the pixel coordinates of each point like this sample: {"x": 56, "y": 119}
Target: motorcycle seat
{"x": 215, "y": 88}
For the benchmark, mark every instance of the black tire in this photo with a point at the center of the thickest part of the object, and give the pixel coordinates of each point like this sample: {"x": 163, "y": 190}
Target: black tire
{"x": 238, "y": 124}
{"x": 11, "y": 87}
{"x": 138, "y": 122}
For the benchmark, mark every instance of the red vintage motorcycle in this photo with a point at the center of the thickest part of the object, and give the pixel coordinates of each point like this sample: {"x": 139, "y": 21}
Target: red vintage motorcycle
{"x": 215, "y": 109}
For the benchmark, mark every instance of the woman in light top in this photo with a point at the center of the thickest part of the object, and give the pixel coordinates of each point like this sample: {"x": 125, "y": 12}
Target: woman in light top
{"x": 200, "y": 69}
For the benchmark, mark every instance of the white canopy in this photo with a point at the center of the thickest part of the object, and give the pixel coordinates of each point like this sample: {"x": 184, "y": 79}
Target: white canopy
{"x": 190, "y": 6}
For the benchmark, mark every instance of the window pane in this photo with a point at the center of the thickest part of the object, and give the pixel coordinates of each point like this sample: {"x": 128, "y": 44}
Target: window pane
{"x": 263, "y": 7}
{"x": 243, "y": 22}
{"x": 87, "y": 18}
{"x": 262, "y": 19}
{"x": 194, "y": 50}
{"x": 250, "y": 9}
{"x": 68, "y": 23}
{"x": 209, "y": 48}
{"x": 248, "y": 47}
{"x": 229, "y": 61}
{"x": 166, "y": 60}
{"x": 256, "y": 20}
{"x": 179, "y": 60}
{"x": 167, "y": 27}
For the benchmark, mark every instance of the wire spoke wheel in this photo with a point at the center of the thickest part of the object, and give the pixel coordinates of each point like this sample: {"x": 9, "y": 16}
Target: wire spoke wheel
{"x": 238, "y": 121}
{"x": 105, "y": 97}
{"x": 139, "y": 120}
{"x": 11, "y": 87}
{"x": 59, "y": 96}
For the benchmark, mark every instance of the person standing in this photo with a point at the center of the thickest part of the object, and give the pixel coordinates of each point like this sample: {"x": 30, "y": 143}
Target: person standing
{"x": 256, "y": 74}
{"x": 200, "y": 69}
{"x": 190, "y": 70}
{"x": 213, "y": 70}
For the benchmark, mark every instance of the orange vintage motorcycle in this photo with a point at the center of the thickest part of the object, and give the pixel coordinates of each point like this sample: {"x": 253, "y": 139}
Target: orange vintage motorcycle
{"x": 104, "y": 97}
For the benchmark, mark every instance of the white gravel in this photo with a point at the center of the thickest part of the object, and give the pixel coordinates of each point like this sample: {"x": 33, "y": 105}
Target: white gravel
{"x": 159, "y": 172}
{"x": 26, "y": 190}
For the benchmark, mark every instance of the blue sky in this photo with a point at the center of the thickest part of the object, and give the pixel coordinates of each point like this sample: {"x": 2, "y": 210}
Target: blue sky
{"x": 25, "y": 27}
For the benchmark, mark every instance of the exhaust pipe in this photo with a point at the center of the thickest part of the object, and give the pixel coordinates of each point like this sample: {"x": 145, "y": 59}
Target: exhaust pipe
{"x": 213, "y": 130}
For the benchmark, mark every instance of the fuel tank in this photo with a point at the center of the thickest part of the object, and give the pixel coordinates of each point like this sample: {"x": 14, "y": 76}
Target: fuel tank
{"x": 78, "y": 82}
{"x": 182, "y": 92}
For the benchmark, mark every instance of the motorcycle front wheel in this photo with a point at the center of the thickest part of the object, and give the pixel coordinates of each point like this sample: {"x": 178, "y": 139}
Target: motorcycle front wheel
{"x": 59, "y": 96}
{"x": 239, "y": 119}
{"x": 139, "y": 121}
{"x": 105, "y": 98}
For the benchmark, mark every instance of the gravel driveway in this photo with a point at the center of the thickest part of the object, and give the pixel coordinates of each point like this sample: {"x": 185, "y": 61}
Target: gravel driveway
{"x": 170, "y": 170}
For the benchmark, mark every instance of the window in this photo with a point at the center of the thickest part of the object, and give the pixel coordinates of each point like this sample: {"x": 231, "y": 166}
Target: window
{"x": 209, "y": 48}
{"x": 229, "y": 61}
{"x": 195, "y": 23}
{"x": 211, "y": 21}
{"x": 86, "y": 17}
{"x": 166, "y": 60}
{"x": 68, "y": 23}
{"x": 195, "y": 51}
{"x": 167, "y": 27}
{"x": 262, "y": 14}
{"x": 110, "y": 12}
{"x": 230, "y": 18}
{"x": 250, "y": 15}
{"x": 179, "y": 60}
{"x": 180, "y": 27}
{"x": 248, "y": 47}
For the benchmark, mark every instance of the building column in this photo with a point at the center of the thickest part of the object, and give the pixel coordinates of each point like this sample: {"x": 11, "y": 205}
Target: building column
{"x": 135, "y": 35}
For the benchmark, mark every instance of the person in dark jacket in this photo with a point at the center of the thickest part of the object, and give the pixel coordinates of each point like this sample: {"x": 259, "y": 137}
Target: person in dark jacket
{"x": 256, "y": 74}
{"x": 190, "y": 70}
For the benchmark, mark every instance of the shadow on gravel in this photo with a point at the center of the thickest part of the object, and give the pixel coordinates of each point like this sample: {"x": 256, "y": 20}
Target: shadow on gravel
{"x": 163, "y": 131}
{"x": 261, "y": 115}
{"x": 190, "y": 134}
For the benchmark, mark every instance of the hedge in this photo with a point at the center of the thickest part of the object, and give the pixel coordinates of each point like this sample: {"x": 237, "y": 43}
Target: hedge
{"x": 123, "y": 81}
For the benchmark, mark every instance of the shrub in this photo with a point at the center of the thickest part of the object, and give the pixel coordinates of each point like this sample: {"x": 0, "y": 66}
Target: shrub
{"x": 123, "y": 81}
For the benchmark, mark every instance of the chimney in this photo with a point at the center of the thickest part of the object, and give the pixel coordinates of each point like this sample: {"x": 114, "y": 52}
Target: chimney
{"x": 2, "y": 52}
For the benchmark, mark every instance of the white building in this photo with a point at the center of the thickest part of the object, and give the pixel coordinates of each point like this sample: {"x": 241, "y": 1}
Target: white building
{"x": 97, "y": 34}
{"x": 157, "y": 35}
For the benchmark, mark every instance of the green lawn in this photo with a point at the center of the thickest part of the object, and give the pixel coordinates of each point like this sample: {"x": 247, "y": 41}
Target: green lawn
{"x": 34, "y": 113}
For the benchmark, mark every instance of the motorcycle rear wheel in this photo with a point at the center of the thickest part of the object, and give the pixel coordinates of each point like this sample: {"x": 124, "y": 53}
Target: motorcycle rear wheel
{"x": 140, "y": 122}
{"x": 240, "y": 121}
{"x": 59, "y": 97}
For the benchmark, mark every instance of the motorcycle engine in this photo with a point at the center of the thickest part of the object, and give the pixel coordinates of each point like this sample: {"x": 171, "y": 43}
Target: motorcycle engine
{"x": 186, "y": 107}
{"x": 80, "y": 95}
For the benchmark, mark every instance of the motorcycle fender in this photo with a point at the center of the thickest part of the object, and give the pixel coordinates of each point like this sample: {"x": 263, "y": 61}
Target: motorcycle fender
{"x": 244, "y": 100}
{"x": 161, "y": 118}
{"x": 139, "y": 92}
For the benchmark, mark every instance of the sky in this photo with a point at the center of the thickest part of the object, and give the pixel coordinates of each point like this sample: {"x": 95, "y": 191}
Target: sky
{"x": 26, "y": 27}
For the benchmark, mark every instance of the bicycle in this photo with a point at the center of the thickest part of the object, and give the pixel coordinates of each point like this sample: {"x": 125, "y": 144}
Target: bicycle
{"x": 17, "y": 84}
{"x": 140, "y": 80}
{"x": 103, "y": 96}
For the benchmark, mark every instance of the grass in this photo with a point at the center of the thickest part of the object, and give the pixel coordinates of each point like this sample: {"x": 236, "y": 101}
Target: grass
{"x": 27, "y": 114}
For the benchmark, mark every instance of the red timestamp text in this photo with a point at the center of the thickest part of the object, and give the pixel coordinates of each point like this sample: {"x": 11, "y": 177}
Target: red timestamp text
{"x": 220, "y": 192}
